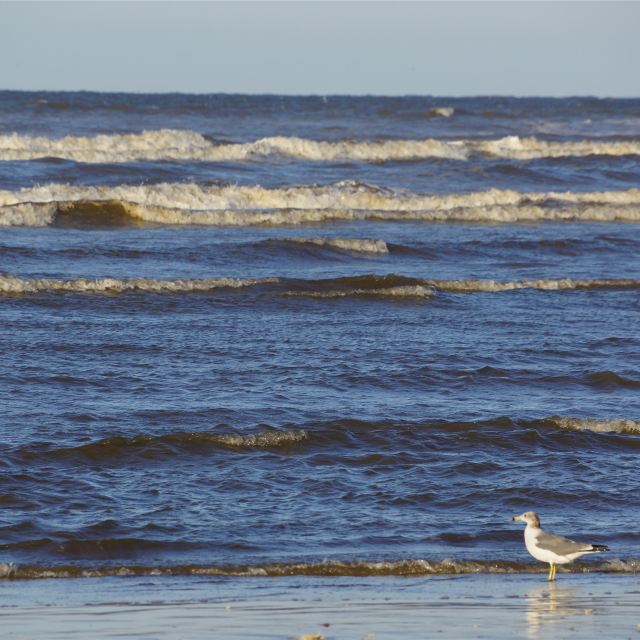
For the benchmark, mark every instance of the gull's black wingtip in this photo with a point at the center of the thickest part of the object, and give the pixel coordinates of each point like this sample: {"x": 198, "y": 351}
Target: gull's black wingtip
{"x": 599, "y": 547}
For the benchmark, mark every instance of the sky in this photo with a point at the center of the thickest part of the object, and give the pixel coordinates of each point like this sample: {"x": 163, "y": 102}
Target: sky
{"x": 382, "y": 48}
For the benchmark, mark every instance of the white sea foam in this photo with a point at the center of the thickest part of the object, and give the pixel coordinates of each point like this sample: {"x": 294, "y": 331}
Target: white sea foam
{"x": 10, "y": 284}
{"x": 597, "y": 425}
{"x": 192, "y": 204}
{"x": 353, "y": 245}
{"x": 28, "y": 214}
{"x": 168, "y": 144}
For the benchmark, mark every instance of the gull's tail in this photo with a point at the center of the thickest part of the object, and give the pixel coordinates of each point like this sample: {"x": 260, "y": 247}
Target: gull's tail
{"x": 599, "y": 547}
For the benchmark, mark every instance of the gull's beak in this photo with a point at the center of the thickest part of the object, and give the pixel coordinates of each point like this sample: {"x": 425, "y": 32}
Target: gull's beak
{"x": 518, "y": 519}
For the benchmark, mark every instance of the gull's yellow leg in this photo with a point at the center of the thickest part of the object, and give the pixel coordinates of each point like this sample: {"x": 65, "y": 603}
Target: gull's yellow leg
{"x": 552, "y": 572}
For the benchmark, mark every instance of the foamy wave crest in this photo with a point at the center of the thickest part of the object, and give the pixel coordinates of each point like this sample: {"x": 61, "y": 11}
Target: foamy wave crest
{"x": 192, "y": 204}
{"x": 168, "y": 144}
{"x": 516, "y": 148}
{"x": 13, "y": 285}
{"x": 152, "y": 145}
{"x": 559, "y": 284}
{"x": 352, "y": 245}
{"x": 329, "y": 568}
{"x": 631, "y": 427}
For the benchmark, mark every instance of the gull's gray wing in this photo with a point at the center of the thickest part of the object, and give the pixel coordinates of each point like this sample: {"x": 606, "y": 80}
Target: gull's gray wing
{"x": 558, "y": 544}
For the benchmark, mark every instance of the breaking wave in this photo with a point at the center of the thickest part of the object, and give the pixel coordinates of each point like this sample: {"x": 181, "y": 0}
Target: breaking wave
{"x": 330, "y": 568}
{"x": 371, "y": 283}
{"x": 631, "y": 427}
{"x": 547, "y": 284}
{"x": 193, "y": 204}
{"x": 176, "y": 145}
{"x": 13, "y": 285}
{"x": 366, "y": 285}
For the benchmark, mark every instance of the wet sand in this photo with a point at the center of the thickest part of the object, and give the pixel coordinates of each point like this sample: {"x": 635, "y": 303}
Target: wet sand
{"x": 470, "y": 606}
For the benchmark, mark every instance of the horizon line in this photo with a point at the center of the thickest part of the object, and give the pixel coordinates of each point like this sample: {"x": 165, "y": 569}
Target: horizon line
{"x": 458, "y": 96}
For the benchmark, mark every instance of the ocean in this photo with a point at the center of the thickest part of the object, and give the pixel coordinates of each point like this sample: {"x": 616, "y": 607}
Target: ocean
{"x": 275, "y": 336}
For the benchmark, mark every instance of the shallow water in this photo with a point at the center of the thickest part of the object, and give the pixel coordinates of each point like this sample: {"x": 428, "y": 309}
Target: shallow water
{"x": 247, "y": 332}
{"x": 345, "y": 608}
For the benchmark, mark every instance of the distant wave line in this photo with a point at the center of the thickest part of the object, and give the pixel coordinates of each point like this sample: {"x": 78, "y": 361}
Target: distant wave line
{"x": 372, "y": 285}
{"x": 308, "y": 437}
{"x": 186, "y": 145}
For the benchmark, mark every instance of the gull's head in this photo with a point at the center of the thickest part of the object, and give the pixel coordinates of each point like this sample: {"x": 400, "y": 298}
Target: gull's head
{"x": 530, "y": 517}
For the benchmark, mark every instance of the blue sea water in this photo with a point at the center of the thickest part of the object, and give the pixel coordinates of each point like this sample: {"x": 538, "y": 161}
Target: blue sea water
{"x": 324, "y": 335}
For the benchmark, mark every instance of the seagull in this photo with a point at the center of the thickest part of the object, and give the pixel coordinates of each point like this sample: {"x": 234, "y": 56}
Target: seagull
{"x": 547, "y": 547}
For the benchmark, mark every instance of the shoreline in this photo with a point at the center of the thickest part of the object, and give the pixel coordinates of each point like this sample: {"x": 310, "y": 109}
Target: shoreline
{"x": 182, "y": 608}
{"x": 321, "y": 569}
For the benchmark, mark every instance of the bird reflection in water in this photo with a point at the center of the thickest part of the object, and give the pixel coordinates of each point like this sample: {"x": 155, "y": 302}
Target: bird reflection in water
{"x": 553, "y": 606}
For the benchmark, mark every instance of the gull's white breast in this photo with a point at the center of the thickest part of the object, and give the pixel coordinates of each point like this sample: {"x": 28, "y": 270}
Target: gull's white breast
{"x": 544, "y": 555}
